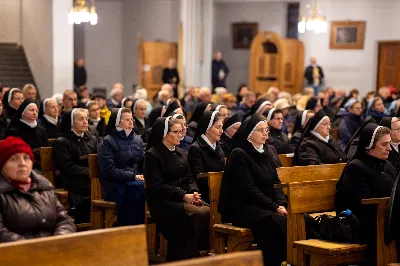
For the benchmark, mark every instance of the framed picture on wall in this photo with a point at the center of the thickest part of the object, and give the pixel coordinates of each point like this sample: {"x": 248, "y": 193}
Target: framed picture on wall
{"x": 347, "y": 35}
{"x": 243, "y": 34}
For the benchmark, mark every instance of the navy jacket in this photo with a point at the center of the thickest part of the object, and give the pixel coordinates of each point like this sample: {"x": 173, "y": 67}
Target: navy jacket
{"x": 118, "y": 157}
{"x": 185, "y": 143}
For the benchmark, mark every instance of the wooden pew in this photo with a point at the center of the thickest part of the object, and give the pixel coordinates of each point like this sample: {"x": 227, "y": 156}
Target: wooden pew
{"x": 51, "y": 142}
{"x": 312, "y": 197}
{"x": 103, "y": 213}
{"x": 114, "y": 246}
{"x": 48, "y": 166}
{"x": 286, "y": 161}
{"x": 248, "y": 258}
{"x": 384, "y": 254}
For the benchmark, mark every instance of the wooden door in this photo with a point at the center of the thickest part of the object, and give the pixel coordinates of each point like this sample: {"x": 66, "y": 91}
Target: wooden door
{"x": 153, "y": 58}
{"x": 389, "y": 64}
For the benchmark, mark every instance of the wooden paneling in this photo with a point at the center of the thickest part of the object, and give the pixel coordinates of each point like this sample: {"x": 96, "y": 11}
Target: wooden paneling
{"x": 388, "y": 64}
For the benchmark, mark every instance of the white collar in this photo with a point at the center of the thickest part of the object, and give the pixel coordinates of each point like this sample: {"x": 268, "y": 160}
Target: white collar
{"x": 259, "y": 149}
{"x": 396, "y": 146}
{"x": 79, "y": 135}
{"x": 141, "y": 120}
{"x": 318, "y": 136}
{"x": 213, "y": 146}
{"x": 114, "y": 101}
{"x": 32, "y": 125}
{"x": 51, "y": 120}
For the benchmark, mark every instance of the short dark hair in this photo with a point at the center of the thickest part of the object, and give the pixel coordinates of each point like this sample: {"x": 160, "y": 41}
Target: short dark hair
{"x": 379, "y": 134}
{"x": 126, "y": 110}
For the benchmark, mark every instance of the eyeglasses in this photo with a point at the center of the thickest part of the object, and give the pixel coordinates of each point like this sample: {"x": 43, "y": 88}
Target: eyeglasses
{"x": 263, "y": 130}
{"x": 176, "y": 132}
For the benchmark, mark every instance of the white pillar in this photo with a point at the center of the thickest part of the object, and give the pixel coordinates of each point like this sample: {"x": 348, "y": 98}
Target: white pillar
{"x": 207, "y": 20}
{"x": 63, "y": 47}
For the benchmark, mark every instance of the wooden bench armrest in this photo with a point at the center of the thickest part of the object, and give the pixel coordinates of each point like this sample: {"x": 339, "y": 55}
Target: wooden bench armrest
{"x": 231, "y": 229}
{"x": 104, "y": 204}
{"x": 83, "y": 225}
{"x": 202, "y": 175}
{"x": 375, "y": 201}
{"x": 83, "y": 157}
{"x": 280, "y": 185}
{"x": 61, "y": 193}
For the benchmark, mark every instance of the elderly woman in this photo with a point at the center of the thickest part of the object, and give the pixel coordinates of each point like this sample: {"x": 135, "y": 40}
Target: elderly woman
{"x": 75, "y": 141}
{"x": 50, "y": 120}
{"x": 24, "y": 125}
{"x": 367, "y": 175}
{"x": 116, "y": 95}
{"x": 316, "y": 146}
{"x": 139, "y": 115}
{"x": 186, "y": 141}
{"x": 222, "y": 109}
{"x": 12, "y": 100}
{"x": 350, "y": 121}
{"x": 97, "y": 122}
{"x": 248, "y": 197}
{"x": 3, "y": 122}
{"x": 276, "y": 137}
{"x": 30, "y": 209}
{"x": 231, "y": 125}
{"x": 302, "y": 118}
{"x": 205, "y": 154}
{"x": 119, "y": 155}
{"x": 376, "y": 109}
{"x": 30, "y": 92}
{"x": 172, "y": 192}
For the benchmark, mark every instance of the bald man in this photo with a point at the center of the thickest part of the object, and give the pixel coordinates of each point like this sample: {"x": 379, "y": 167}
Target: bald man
{"x": 314, "y": 75}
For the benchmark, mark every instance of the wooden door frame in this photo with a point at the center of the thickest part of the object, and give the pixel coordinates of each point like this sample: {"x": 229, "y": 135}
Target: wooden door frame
{"x": 379, "y": 58}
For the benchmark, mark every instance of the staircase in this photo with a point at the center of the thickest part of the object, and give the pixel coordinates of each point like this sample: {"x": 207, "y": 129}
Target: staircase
{"x": 14, "y": 67}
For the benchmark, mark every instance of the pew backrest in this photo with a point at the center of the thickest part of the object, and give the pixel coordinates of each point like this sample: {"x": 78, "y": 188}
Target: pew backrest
{"x": 286, "y": 159}
{"x": 310, "y": 173}
{"x": 94, "y": 174}
{"x": 47, "y": 163}
{"x": 214, "y": 186}
{"x": 114, "y": 246}
{"x": 247, "y": 258}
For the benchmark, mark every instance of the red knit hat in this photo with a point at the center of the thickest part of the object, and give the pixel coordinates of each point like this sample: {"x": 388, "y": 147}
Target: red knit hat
{"x": 11, "y": 146}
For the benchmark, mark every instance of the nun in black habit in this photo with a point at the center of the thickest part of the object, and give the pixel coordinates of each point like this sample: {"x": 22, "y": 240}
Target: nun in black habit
{"x": 172, "y": 107}
{"x": 230, "y": 127}
{"x": 367, "y": 175}
{"x": 12, "y": 100}
{"x": 194, "y": 120}
{"x": 316, "y": 146}
{"x": 248, "y": 197}
{"x": 154, "y": 114}
{"x": 25, "y": 126}
{"x": 351, "y": 146}
{"x": 205, "y": 154}
{"x": 302, "y": 118}
{"x": 172, "y": 192}
{"x": 260, "y": 106}
{"x": 49, "y": 119}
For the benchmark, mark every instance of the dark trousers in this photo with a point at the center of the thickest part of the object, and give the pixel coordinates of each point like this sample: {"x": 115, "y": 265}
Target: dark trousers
{"x": 196, "y": 237}
{"x": 270, "y": 236}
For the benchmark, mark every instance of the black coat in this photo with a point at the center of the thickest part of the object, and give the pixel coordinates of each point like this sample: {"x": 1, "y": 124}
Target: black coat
{"x": 35, "y": 137}
{"x": 394, "y": 158}
{"x": 171, "y": 76}
{"x": 9, "y": 112}
{"x": 314, "y": 151}
{"x": 226, "y": 144}
{"x": 3, "y": 126}
{"x": 216, "y": 67}
{"x": 202, "y": 159}
{"x": 73, "y": 171}
{"x": 101, "y": 127}
{"x": 280, "y": 141}
{"x": 33, "y": 214}
{"x": 192, "y": 128}
{"x": 308, "y": 74}
{"x": 247, "y": 191}
{"x": 294, "y": 140}
{"x": 51, "y": 129}
{"x": 139, "y": 128}
{"x": 347, "y": 127}
{"x": 168, "y": 179}
{"x": 80, "y": 76}
{"x": 364, "y": 178}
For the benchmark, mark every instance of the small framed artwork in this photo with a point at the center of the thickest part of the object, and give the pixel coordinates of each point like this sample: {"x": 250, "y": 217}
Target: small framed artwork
{"x": 347, "y": 35}
{"x": 243, "y": 34}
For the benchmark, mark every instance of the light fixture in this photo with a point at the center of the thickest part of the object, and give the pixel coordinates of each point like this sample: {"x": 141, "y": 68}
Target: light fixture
{"x": 82, "y": 12}
{"x": 314, "y": 21}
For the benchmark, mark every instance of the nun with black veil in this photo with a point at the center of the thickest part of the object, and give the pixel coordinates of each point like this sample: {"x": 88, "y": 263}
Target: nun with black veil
{"x": 194, "y": 120}
{"x": 351, "y": 146}
{"x": 205, "y": 154}
{"x": 154, "y": 114}
{"x": 367, "y": 175}
{"x": 230, "y": 127}
{"x": 316, "y": 146}
{"x": 172, "y": 193}
{"x": 248, "y": 197}
{"x": 302, "y": 118}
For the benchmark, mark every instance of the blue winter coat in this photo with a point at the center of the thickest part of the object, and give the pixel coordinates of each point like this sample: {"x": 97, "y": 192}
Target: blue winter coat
{"x": 185, "y": 143}
{"x": 118, "y": 157}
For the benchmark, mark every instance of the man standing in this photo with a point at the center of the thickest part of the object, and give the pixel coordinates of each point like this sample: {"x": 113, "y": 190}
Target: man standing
{"x": 80, "y": 75}
{"x": 314, "y": 75}
{"x": 171, "y": 76}
{"x": 219, "y": 71}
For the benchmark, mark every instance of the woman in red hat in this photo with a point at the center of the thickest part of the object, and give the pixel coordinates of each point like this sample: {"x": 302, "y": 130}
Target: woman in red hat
{"x": 29, "y": 207}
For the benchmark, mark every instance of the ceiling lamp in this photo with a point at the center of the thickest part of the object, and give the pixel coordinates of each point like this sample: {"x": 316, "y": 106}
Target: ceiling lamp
{"x": 314, "y": 21}
{"x": 82, "y": 12}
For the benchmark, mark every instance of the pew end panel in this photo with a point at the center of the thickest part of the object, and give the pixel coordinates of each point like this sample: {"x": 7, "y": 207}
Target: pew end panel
{"x": 312, "y": 197}
{"x": 286, "y": 159}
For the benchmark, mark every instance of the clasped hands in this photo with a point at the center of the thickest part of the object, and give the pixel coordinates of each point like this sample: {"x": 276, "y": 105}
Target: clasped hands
{"x": 281, "y": 211}
{"x": 194, "y": 198}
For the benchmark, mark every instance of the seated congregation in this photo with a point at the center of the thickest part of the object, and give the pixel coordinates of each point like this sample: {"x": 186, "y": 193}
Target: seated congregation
{"x": 157, "y": 164}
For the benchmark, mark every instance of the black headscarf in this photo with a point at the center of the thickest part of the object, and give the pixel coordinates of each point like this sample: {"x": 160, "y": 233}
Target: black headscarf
{"x": 230, "y": 121}
{"x": 66, "y": 122}
{"x": 154, "y": 114}
{"x": 299, "y": 121}
{"x": 260, "y": 103}
{"x": 6, "y": 102}
{"x": 198, "y": 111}
{"x": 111, "y": 122}
{"x": 157, "y": 133}
{"x": 20, "y": 110}
{"x": 358, "y": 132}
{"x": 386, "y": 122}
{"x": 312, "y": 102}
{"x": 205, "y": 122}
{"x": 171, "y": 108}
